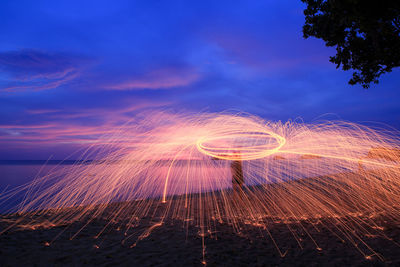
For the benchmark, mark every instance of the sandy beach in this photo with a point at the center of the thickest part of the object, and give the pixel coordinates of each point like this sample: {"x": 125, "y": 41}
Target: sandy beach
{"x": 177, "y": 244}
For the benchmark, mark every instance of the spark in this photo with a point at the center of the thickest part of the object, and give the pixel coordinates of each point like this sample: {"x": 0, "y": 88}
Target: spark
{"x": 178, "y": 166}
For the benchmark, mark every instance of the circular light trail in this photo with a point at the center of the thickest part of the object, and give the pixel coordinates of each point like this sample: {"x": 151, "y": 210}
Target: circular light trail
{"x": 241, "y": 145}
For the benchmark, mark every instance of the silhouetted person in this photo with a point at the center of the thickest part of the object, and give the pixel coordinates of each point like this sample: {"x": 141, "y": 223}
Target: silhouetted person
{"x": 237, "y": 175}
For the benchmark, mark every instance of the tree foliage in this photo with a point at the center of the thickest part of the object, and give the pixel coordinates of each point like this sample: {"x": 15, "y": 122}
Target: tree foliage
{"x": 366, "y": 35}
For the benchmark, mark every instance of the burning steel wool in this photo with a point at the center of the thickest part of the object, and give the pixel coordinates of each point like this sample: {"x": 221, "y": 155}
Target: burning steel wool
{"x": 210, "y": 169}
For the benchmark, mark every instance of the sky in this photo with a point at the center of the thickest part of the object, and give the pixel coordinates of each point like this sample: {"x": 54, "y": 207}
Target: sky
{"x": 73, "y": 70}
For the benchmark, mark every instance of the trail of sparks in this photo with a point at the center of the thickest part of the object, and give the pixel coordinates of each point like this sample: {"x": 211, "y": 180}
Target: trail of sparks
{"x": 179, "y": 167}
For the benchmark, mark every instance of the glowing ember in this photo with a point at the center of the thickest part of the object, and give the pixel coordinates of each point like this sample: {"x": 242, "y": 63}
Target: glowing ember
{"x": 288, "y": 173}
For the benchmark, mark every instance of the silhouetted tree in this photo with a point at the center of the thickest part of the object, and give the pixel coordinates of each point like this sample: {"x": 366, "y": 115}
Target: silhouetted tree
{"x": 366, "y": 34}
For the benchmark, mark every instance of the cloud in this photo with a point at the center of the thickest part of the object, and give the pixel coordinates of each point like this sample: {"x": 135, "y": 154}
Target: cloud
{"x": 164, "y": 78}
{"x": 78, "y": 126}
{"x": 42, "y": 111}
{"x": 34, "y": 70}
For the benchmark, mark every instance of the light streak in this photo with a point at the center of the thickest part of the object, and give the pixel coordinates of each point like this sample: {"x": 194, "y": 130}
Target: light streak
{"x": 164, "y": 167}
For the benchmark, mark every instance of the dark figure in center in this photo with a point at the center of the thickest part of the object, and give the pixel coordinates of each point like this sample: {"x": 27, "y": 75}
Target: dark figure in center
{"x": 237, "y": 175}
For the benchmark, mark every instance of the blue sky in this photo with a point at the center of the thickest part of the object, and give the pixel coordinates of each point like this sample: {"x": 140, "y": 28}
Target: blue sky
{"x": 70, "y": 70}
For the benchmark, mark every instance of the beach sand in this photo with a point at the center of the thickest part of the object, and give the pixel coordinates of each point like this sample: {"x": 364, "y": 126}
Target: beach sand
{"x": 177, "y": 244}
